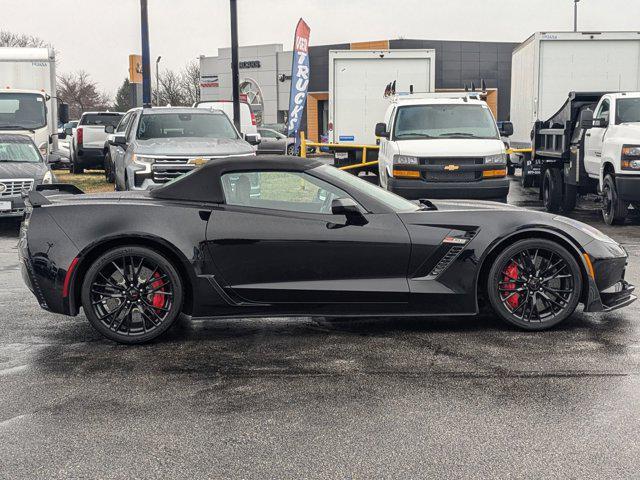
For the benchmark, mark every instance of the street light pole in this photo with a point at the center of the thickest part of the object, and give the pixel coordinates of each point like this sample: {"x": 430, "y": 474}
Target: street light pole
{"x": 575, "y": 15}
{"x": 158, "y": 80}
{"x": 146, "y": 67}
{"x": 235, "y": 72}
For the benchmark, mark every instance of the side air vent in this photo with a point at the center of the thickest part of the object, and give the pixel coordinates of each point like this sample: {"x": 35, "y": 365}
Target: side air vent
{"x": 445, "y": 261}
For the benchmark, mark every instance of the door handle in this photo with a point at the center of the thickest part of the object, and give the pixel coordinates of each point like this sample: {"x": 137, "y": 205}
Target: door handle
{"x": 587, "y": 134}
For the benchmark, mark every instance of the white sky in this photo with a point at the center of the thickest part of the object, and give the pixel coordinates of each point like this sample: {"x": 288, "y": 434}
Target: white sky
{"x": 98, "y": 35}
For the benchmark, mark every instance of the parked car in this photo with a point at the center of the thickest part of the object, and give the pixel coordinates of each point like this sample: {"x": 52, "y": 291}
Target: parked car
{"x": 276, "y": 235}
{"x": 64, "y": 142}
{"x": 87, "y": 140}
{"x": 22, "y": 167}
{"x": 275, "y": 142}
{"x": 151, "y": 146}
{"x": 443, "y": 145}
{"x": 278, "y": 127}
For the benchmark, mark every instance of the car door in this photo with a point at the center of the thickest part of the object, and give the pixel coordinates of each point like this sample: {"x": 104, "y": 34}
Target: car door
{"x": 268, "y": 141}
{"x": 276, "y": 241}
{"x": 120, "y": 151}
{"x": 594, "y": 138}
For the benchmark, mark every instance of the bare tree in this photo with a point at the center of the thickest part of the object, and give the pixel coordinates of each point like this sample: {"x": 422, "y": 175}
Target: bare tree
{"x": 11, "y": 39}
{"x": 81, "y": 93}
{"x": 190, "y": 80}
{"x": 171, "y": 91}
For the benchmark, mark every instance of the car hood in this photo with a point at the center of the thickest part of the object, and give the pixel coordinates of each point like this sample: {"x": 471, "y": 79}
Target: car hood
{"x": 451, "y": 147}
{"x": 475, "y": 205}
{"x": 10, "y": 170}
{"x": 193, "y": 146}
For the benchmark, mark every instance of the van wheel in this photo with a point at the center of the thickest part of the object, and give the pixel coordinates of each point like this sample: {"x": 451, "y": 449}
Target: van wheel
{"x": 552, "y": 189}
{"x": 614, "y": 210}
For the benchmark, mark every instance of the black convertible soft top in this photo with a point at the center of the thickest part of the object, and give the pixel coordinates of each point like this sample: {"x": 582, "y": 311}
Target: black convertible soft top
{"x": 204, "y": 185}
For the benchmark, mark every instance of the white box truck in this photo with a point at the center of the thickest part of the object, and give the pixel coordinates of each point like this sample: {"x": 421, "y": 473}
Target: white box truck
{"x": 549, "y": 65}
{"x": 28, "y": 103}
{"x": 357, "y": 81}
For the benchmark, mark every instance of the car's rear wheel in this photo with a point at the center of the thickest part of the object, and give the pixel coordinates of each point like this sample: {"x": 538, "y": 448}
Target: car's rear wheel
{"x": 132, "y": 294}
{"x": 534, "y": 284}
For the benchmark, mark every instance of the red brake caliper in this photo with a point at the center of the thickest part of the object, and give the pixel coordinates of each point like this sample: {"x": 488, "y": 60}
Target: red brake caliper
{"x": 158, "y": 297}
{"x": 510, "y": 274}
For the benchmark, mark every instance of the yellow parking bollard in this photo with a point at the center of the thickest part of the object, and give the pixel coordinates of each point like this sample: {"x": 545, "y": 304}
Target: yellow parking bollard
{"x": 303, "y": 145}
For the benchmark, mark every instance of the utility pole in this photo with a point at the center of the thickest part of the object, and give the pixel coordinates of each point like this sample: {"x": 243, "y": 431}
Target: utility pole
{"x": 235, "y": 72}
{"x": 575, "y": 15}
{"x": 146, "y": 67}
{"x": 158, "y": 81}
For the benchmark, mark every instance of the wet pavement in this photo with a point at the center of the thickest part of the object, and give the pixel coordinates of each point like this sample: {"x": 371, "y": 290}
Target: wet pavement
{"x": 302, "y": 398}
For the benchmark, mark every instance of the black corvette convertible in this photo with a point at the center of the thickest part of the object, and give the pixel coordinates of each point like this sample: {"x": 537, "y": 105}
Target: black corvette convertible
{"x": 289, "y": 236}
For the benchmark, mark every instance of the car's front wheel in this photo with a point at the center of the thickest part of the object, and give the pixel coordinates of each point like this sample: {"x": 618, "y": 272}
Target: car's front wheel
{"x": 108, "y": 169}
{"x": 132, "y": 294}
{"x": 534, "y": 284}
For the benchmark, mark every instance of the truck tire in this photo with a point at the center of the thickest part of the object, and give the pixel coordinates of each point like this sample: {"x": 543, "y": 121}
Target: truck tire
{"x": 614, "y": 210}
{"x": 552, "y": 190}
{"x": 75, "y": 168}
{"x": 569, "y": 198}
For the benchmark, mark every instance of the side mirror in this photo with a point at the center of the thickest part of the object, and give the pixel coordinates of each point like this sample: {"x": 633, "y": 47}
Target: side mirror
{"x": 118, "y": 140}
{"x": 63, "y": 113}
{"x": 381, "y": 130}
{"x": 62, "y": 135}
{"x": 586, "y": 119}
{"x": 506, "y": 129}
{"x": 349, "y": 208}
{"x": 252, "y": 138}
{"x": 109, "y": 128}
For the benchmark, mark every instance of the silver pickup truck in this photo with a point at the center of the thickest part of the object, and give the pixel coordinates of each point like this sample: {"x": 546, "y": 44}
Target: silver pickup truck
{"x": 151, "y": 146}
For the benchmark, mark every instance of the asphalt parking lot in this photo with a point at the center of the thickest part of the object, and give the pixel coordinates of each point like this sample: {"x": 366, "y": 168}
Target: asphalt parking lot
{"x": 303, "y": 398}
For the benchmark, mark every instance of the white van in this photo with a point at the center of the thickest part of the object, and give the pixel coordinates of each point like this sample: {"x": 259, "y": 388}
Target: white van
{"x": 247, "y": 117}
{"x": 442, "y": 146}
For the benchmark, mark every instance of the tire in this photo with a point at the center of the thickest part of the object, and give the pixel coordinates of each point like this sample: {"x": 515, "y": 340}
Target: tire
{"x": 291, "y": 149}
{"x": 75, "y": 168}
{"x": 105, "y": 299}
{"x": 108, "y": 169}
{"x": 511, "y": 169}
{"x": 552, "y": 189}
{"x": 614, "y": 210}
{"x": 569, "y": 198}
{"x": 542, "y": 303}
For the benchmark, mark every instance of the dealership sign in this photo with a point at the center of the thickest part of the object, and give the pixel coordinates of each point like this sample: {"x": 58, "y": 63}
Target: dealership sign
{"x": 299, "y": 78}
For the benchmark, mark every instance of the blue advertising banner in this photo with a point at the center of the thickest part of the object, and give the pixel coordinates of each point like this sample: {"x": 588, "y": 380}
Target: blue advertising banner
{"x": 299, "y": 79}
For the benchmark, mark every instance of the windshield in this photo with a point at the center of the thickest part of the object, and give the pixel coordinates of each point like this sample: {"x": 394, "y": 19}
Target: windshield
{"x": 19, "y": 152}
{"x": 444, "y": 121}
{"x": 393, "y": 201}
{"x": 101, "y": 119}
{"x": 175, "y": 125}
{"x": 22, "y": 111}
{"x": 628, "y": 110}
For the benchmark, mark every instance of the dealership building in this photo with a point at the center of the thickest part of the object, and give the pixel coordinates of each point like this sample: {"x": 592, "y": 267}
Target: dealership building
{"x": 265, "y": 76}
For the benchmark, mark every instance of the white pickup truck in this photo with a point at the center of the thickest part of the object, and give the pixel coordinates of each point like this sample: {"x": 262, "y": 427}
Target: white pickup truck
{"x": 88, "y": 143}
{"x": 443, "y": 145}
{"x": 591, "y": 145}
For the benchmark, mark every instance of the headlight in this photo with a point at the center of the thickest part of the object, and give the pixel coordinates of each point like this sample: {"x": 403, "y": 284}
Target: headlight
{"x": 587, "y": 229}
{"x": 498, "y": 159}
{"x": 146, "y": 162}
{"x": 630, "y": 157}
{"x": 405, "y": 159}
{"x": 44, "y": 147}
{"x": 48, "y": 178}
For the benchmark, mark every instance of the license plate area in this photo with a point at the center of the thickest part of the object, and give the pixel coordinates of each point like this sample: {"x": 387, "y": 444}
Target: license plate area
{"x": 5, "y": 206}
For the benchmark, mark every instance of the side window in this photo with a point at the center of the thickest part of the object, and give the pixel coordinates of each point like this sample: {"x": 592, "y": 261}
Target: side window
{"x": 291, "y": 191}
{"x": 603, "y": 111}
{"x": 130, "y": 128}
{"x": 266, "y": 134}
{"x": 122, "y": 126}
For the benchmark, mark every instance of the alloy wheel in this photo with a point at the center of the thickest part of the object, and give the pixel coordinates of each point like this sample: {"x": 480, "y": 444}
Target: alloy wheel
{"x": 132, "y": 295}
{"x": 536, "y": 285}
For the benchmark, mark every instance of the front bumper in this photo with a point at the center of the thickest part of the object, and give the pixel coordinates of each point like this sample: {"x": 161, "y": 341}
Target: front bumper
{"x": 477, "y": 190}
{"x": 608, "y": 290}
{"x": 628, "y": 187}
{"x": 16, "y": 210}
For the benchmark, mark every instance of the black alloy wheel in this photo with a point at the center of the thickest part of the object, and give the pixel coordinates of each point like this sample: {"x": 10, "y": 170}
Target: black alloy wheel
{"x": 534, "y": 284}
{"x": 291, "y": 149}
{"x": 132, "y": 294}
